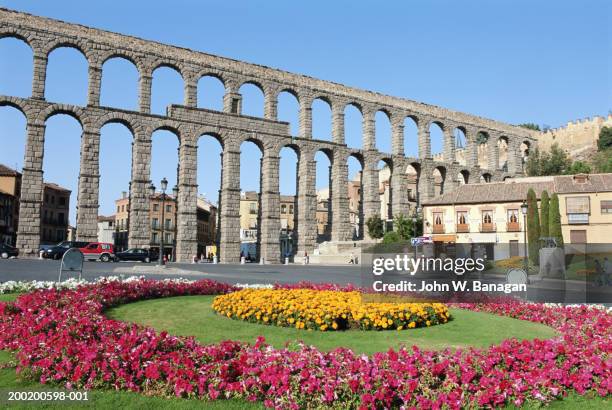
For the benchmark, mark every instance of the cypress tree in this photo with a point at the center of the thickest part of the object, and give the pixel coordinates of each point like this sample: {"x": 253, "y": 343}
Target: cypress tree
{"x": 533, "y": 227}
{"x": 544, "y": 210}
{"x": 554, "y": 220}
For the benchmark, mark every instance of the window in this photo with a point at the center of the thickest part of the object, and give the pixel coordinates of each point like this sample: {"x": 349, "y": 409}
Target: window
{"x": 168, "y": 223}
{"x": 606, "y": 207}
{"x": 155, "y": 223}
{"x": 578, "y": 205}
{"x": 437, "y": 217}
{"x": 62, "y": 201}
{"x": 155, "y": 238}
{"x": 60, "y": 218}
{"x": 168, "y": 238}
{"x": 47, "y": 198}
{"x": 462, "y": 217}
{"x": 487, "y": 217}
{"x": 513, "y": 215}
{"x": 253, "y": 207}
{"x": 52, "y": 199}
{"x": 578, "y": 236}
{"x": 168, "y": 208}
{"x": 290, "y": 209}
{"x": 283, "y": 209}
{"x": 155, "y": 207}
{"x": 118, "y": 208}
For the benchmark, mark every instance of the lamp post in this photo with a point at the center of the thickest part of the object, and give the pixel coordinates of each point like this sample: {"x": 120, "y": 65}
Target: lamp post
{"x": 164, "y": 185}
{"x": 175, "y": 191}
{"x": 524, "y": 208}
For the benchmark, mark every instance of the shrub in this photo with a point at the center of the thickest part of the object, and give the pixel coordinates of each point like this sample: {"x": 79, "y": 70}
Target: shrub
{"x": 391, "y": 237}
{"x": 533, "y": 227}
{"x": 375, "y": 227}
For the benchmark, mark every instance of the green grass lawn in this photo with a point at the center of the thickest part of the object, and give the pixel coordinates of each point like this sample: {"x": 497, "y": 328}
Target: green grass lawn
{"x": 199, "y": 317}
{"x": 193, "y": 316}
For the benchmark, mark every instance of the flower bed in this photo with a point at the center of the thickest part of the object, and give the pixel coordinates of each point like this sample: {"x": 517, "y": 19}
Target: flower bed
{"x": 326, "y": 310}
{"x": 62, "y": 336}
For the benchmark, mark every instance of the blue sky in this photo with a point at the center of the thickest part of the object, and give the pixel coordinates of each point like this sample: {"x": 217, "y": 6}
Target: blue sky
{"x": 513, "y": 60}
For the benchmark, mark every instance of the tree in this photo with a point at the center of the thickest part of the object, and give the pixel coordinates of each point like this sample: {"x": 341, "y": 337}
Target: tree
{"x": 602, "y": 162}
{"x": 533, "y": 227}
{"x": 530, "y": 126}
{"x": 403, "y": 226}
{"x": 579, "y": 167}
{"x": 544, "y": 209}
{"x": 605, "y": 139}
{"x": 554, "y": 162}
{"x": 391, "y": 237}
{"x": 554, "y": 220}
{"x": 375, "y": 227}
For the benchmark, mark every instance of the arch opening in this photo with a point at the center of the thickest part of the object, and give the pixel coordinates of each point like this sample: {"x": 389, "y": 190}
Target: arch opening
{"x": 353, "y": 126}
{"x": 289, "y": 111}
{"x": 166, "y": 89}
{"x": 460, "y": 145}
{"x": 211, "y": 91}
{"x": 120, "y": 84}
{"x": 67, "y": 65}
{"x": 411, "y": 137}
{"x": 324, "y": 195}
{"x": 16, "y": 67}
{"x": 321, "y": 120}
{"x": 439, "y": 179}
{"x": 436, "y": 137}
{"x": 252, "y": 100}
{"x": 251, "y": 155}
{"x": 383, "y": 135}
{"x": 208, "y": 206}
{"x": 355, "y": 194}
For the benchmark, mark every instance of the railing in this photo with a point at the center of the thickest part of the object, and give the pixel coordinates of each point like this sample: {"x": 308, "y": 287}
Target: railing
{"x": 438, "y": 229}
{"x": 488, "y": 227}
{"x": 158, "y": 226}
{"x": 463, "y": 228}
{"x": 513, "y": 227}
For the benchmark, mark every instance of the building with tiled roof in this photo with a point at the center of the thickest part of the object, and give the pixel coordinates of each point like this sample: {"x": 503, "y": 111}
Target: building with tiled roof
{"x": 490, "y": 213}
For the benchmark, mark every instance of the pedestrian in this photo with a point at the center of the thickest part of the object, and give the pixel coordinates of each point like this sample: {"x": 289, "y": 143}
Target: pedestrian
{"x": 352, "y": 259}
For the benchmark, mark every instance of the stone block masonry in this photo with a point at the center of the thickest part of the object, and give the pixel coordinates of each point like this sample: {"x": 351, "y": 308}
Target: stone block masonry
{"x": 231, "y": 128}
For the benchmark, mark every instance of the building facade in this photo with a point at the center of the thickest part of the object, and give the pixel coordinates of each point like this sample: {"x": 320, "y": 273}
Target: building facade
{"x": 106, "y": 229}
{"x": 490, "y": 213}
{"x": 55, "y": 214}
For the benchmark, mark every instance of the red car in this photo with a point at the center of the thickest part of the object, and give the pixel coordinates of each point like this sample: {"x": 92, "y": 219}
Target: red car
{"x": 99, "y": 251}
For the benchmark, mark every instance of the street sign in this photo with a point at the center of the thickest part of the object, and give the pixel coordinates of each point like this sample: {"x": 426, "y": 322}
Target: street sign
{"x": 72, "y": 261}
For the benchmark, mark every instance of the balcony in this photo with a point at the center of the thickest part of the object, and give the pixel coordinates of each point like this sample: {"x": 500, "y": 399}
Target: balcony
{"x": 463, "y": 228}
{"x": 487, "y": 227}
{"x": 158, "y": 226}
{"x": 438, "y": 229}
{"x": 513, "y": 227}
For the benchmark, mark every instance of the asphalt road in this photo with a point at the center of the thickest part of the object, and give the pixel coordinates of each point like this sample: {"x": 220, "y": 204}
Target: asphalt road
{"x": 35, "y": 269}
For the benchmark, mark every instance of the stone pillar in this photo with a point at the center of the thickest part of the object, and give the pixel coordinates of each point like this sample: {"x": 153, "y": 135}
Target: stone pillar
{"x": 232, "y": 100}
{"x": 271, "y": 104}
{"x": 144, "y": 97}
{"x": 471, "y": 148}
{"x": 338, "y": 123}
{"x": 230, "y": 212}
{"x": 94, "y": 82}
{"x": 270, "y": 208}
{"x": 305, "y": 116}
{"x": 399, "y": 188}
{"x": 424, "y": 140}
{"x": 139, "y": 235}
{"x": 397, "y": 135}
{"x": 341, "y": 225}
{"x": 306, "y": 209}
{"x": 191, "y": 91}
{"x": 371, "y": 196}
{"x": 451, "y": 181}
{"x": 514, "y": 157}
{"x": 187, "y": 224}
{"x": 369, "y": 130}
{"x": 28, "y": 232}
{"x": 493, "y": 154}
{"x": 89, "y": 185}
{"x": 39, "y": 76}
{"x": 426, "y": 182}
{"x": 449, "y": 145}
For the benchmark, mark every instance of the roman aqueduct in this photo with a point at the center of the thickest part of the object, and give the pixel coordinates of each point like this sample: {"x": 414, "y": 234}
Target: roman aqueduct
{"x": 231, "y": 128}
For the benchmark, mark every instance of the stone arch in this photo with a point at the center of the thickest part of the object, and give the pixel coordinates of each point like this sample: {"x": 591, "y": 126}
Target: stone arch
{"x": 486, "y": 177}
{"x": 54, "y": 87}
{"x": 104, "y": 57}
{"x": 21, "y": 65}
{"x": 385, "y": 189}
{"x": 13, "y": 136}
{"x": 355, "y": 194}
{"x": 436, "y": 139}
{"x": 214, "y": 73}
{"x": 24, "y": 36}
{"x": 170, "y": 79}
{"x": 413, "y": 175}
{"x": 322, "y": 118}
{"x": 439, "y": 179}
{"x": 460, "y": 140}
{"x": 75, "y": 112}
{"x": 18, "y": 104}
{"x": 121, "y": 74}
{"x": 176, "y": 66}
{"x": 383, "y": 134}
{"x": 116, "y": 118}
{"x": 211, "y": 84}
{"x": 353, "y": 124}
{"x": 463, "y": 177}
{"x": 249, "y": 87}
{"x": 74, "y": 43}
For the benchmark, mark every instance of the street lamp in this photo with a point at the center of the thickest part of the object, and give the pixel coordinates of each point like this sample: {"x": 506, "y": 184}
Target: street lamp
{"x": 524, "y": 208}
{"x": 415, "y": 219}
{"x": 175, "y": 192}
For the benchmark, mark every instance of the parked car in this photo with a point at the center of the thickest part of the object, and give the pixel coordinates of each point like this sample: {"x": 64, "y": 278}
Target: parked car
{"x": 136, "y": 254}
{"x": 104, "y": 252}
{"x": 7, "y": 251}
{"x": 57, "y": 251}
